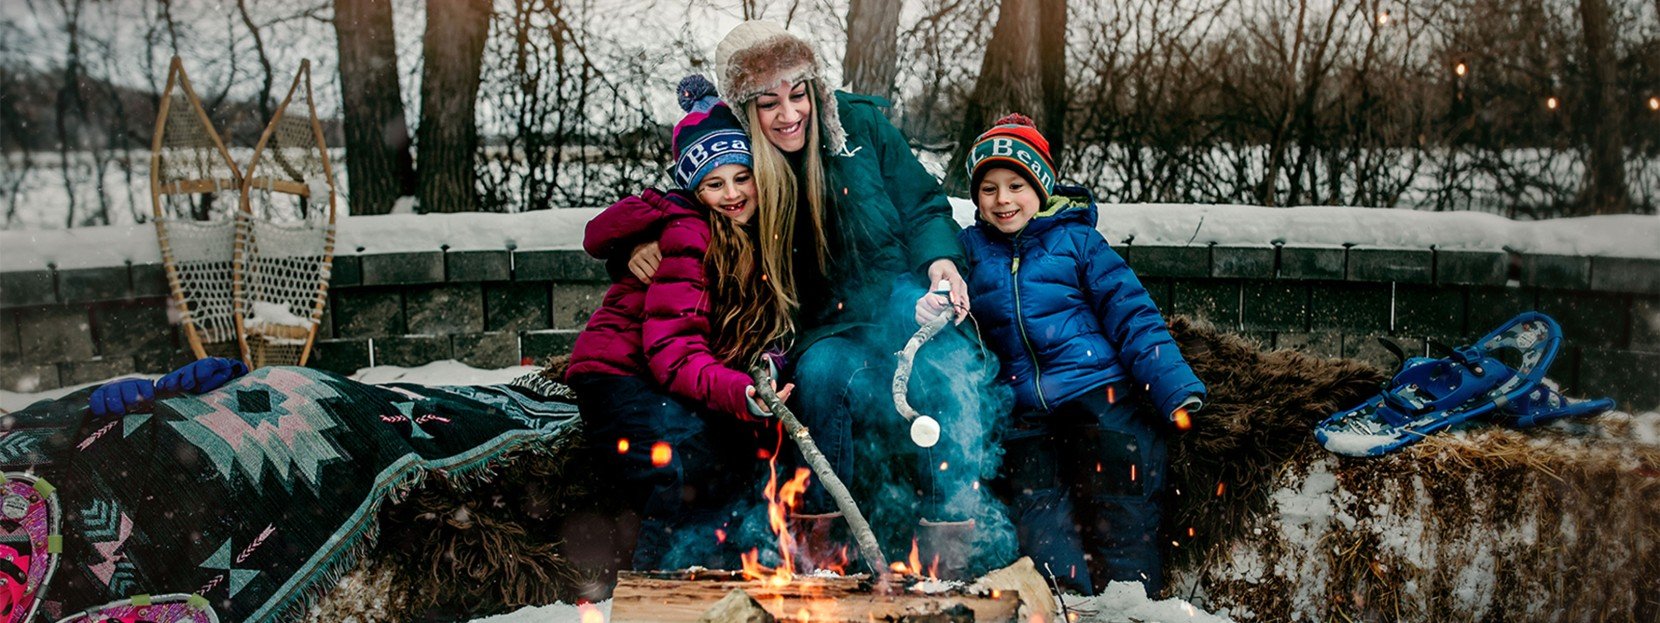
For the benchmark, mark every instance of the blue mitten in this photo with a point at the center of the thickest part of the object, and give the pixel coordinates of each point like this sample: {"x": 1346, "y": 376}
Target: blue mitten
{"x": 121, "y": 397}
{"x": 200, "y": 376}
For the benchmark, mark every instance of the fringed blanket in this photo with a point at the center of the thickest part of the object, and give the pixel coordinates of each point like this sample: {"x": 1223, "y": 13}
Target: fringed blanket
{"x": 257, "y": 495}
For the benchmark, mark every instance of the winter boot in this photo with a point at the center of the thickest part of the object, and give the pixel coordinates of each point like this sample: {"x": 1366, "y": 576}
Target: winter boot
{"x": 944, "y": 548}
{"x": 821, "y": 543}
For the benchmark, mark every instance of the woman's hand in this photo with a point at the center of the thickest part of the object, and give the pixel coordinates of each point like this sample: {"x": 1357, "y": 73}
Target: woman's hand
{"x": 644, "y": 260}
{"x": 947, "y": 270}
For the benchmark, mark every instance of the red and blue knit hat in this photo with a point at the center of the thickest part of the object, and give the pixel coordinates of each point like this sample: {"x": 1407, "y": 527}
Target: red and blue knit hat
{"x": 708, "y": 136}
{"x": 1014, "y": 143}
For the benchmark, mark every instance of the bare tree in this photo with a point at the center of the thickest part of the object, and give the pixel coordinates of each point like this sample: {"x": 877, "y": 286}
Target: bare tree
{"x": 1604, "y": 191}
{"x": 1010, "y": 81}
{"x": 872, "y": 59}
{"x": 378, "y": 159}
{"x": 453, "y": 52}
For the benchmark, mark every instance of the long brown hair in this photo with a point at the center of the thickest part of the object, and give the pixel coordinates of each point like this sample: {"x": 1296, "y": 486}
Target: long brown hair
{"x": 749, "y": 309}
{"x": 775, "y": 184}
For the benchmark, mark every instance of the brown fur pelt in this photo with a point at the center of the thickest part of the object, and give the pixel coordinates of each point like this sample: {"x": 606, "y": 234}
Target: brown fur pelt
{"x": 1259, "y": 415}
{"x": 489, "y": 544}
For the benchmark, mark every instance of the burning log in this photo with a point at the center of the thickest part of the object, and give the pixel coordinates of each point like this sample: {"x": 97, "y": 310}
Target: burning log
{"x": 925, "y": 430}
{"x": 827, "y": 478}
{"x": 688, "y": 596}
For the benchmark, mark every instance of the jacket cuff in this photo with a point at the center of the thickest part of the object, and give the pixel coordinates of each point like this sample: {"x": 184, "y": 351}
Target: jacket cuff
{"x": 1171, "y": 399}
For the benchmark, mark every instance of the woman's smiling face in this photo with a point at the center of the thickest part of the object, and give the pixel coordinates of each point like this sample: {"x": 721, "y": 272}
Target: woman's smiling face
{"x": 786, "y": 113}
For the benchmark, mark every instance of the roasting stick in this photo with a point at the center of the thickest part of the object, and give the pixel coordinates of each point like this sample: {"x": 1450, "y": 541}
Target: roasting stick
{"x": 925, "y": 430}
{"x": 866, "y": 539}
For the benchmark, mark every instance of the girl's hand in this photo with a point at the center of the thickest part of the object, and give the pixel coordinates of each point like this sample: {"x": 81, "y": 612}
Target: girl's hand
{"x": 644, "y": 260}
{"x": 929, "y": 307}
{"x": 947, "y": 270}
{"x": 759, "y": 407}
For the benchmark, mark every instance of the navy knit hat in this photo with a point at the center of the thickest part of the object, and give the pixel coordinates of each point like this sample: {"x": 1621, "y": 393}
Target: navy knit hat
{"x": 708, "y": 136}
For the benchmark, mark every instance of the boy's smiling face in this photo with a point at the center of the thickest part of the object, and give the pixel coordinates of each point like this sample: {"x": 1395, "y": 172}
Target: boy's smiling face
{"x": 1006, "y": 200}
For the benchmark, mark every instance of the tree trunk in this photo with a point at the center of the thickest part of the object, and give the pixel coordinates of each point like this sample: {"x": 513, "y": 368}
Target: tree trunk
{"x": 1605, "y": 191}
{"x": 1052, "y": 56}
{"x": 379, "y": 165}
{"x": 453, "y": 52}
{"x": 1010, "y": 81}
{"x": 872, "y": 57}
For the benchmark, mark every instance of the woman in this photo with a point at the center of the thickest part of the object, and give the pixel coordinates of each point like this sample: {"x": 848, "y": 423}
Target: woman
{"x": 857, "y": 228}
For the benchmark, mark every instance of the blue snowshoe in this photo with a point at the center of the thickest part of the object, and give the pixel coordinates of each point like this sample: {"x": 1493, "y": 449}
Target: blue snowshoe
{"x": 1432, "y": 394}
{"x": 1544, "y": 405}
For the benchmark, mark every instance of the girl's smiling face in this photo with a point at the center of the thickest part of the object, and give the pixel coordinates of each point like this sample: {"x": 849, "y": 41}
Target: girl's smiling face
{"x": 786, "y": 112}
{"x": 1006, "y": 200}
{"x": 729, "y": 190}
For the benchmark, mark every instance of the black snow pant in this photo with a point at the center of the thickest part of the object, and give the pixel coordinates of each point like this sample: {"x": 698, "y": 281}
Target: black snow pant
{"x": 1085, "y": 483}
{"x": 679, "y": 467}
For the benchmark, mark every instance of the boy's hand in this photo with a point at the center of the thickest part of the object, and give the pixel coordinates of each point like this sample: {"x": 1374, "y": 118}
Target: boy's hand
{"x": 944, "y": 269}
{"x": 930, "y": 306}
{"x": 1183, "y": 416}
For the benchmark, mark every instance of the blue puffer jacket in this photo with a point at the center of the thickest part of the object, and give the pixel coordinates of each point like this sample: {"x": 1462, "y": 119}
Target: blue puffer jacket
{"x": 1066, "y": 314}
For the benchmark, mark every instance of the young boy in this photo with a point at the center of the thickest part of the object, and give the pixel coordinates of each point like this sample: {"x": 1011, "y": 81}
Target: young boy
{"x": 1080, "y": 341}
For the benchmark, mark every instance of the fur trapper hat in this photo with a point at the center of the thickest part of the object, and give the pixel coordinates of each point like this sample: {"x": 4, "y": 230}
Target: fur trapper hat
{"x": 757, "y": 55}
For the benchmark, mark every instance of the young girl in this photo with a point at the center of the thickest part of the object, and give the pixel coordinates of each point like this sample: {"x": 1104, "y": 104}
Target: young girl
{"x": 1080, "y": 341}
{"x": 660, "y": 370}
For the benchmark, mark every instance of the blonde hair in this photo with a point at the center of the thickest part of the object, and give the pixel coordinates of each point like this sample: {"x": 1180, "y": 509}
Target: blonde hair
{"x": 776, "y": 186}
{"x": 748, "y": 313}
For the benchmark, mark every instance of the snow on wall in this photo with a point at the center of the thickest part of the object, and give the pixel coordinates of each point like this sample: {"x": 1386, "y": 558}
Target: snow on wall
{"x": 1170, "y": 224}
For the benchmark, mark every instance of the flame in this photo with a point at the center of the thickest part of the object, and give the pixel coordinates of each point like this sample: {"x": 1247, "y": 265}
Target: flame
{"x": 781, "y": 503}
{"x": 913, "y": 563}
{"x": 661, "y": 453}
{"x": 934, "y": 568}
{"x": 622, "y": 445}
{"x": 589, "y": 613}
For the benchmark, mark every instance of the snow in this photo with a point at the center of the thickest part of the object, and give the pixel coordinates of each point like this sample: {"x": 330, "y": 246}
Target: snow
{"x": 1165, "y": 224}
{"x": 266, "y": 313}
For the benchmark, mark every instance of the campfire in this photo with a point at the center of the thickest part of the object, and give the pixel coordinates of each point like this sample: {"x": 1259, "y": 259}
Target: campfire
{"x": 801, "y": 589}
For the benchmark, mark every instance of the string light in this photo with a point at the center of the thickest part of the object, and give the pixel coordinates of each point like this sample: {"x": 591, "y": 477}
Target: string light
{"x": 1461, "y": 69}
{"x": 1654, "y": 103}
{"x": 1383, "y": 18}
{"x": 1550, "y": 102}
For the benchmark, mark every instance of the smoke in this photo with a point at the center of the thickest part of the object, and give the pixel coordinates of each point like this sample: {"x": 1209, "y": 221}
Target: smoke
{"x": 896, "y": 484}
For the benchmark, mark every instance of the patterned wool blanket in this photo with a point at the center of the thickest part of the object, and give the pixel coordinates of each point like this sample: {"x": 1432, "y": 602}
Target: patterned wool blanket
{"x": 256, "y": 496}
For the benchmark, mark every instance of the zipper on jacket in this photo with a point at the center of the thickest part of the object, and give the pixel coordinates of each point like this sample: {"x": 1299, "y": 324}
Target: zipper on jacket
{"x": 1020, "y": 321}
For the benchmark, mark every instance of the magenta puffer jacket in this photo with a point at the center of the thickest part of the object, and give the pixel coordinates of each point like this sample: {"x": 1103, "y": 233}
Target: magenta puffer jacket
{"x": 660, "y": 331}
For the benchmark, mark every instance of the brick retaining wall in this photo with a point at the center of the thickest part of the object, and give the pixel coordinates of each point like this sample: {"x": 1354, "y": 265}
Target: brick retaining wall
{"x": 492, "y": 309}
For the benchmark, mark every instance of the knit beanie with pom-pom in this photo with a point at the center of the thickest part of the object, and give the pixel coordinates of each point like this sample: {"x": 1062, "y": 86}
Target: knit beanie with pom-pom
{"x": 1014, "y": 143}
{"x": 708, "y": 136}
